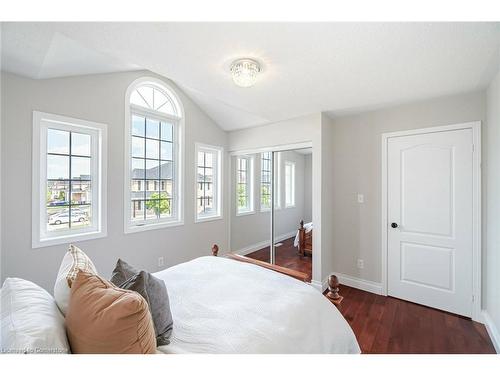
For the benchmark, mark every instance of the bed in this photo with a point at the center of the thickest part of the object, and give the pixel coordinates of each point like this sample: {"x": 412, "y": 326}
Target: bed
{"x": 220, "y": 305}
{"x": 303, "y": 238}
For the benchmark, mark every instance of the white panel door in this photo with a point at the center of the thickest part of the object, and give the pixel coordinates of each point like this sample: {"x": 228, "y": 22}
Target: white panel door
{"x": 430, "y": 207}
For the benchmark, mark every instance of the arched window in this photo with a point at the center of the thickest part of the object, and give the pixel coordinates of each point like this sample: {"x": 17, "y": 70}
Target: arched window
{"x": 154, "y": 119}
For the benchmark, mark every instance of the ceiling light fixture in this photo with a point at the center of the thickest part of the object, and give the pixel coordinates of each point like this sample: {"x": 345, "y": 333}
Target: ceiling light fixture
{"x": 245, "y": 72}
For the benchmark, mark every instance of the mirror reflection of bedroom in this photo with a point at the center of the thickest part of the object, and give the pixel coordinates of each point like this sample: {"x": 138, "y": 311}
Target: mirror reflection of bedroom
{"x": 285, "y": 178}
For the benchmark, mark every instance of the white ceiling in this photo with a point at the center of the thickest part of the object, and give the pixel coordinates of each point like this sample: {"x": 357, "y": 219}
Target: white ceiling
{"x": 307, "y": 67}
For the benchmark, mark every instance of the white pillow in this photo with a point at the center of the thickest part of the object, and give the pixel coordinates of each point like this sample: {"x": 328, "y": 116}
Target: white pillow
{"x": 31, "y": 321}
{"x": 74, "y": 260}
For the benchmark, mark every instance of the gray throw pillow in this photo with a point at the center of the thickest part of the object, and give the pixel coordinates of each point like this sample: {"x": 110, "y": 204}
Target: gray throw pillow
{"x": 122, "y": 272}
{"x": 154, "y": 292}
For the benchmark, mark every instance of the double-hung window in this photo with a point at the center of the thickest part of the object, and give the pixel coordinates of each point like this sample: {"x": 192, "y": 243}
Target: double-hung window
{"x": 289, "y": 184}
{"x": 69, "y": 179}
{"x": 244, "y": 187}
{"x": 208, "y": 182}
{"x": 153, "y": 171}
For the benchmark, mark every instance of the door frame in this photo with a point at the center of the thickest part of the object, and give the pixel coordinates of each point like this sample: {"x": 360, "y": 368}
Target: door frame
{"x": 475, "y": 126}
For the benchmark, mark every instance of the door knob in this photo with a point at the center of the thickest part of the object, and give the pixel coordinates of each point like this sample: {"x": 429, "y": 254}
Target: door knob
{"x": 394, "y": 225}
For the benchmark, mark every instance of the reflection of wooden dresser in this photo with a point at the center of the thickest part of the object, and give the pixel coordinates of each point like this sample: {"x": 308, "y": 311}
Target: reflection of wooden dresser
{"x": 305, "y": 240}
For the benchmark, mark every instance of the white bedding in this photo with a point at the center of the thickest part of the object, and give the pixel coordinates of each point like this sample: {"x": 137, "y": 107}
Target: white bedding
{"x": 221, "y": 305}
{"x": 308, "y": 227}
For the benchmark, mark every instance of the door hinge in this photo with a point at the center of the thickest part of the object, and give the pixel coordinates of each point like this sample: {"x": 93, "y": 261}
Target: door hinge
{"x": 473, "y": 148}
{"x": 473, "y": 298}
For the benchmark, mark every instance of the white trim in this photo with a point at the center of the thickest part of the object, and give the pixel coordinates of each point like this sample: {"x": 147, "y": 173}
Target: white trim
{"x": 358, "y": 283}
{"x": 492, "y": 330}
{"x": 219, "y": 168}
{"x": 321, "y": 286}
{"x": 179, "y": 138}
{"x": 317, "y": 285}
{"x": 285, "y": 147}
{"x": 244, "y": 213}
{"x": 98, "y": 132}
{"x": 259, "y": 245}
{"x": 475, "y": 126}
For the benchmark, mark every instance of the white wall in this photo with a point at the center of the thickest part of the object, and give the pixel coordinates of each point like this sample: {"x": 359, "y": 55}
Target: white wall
{"x": 491, "y": 210}
{"x": 248, "y": 232}
{"x": 355, "y": 165}
{"x": 308, "y": 188}
{"x": 328, "y": 187}
{"x": 97, "y": 98}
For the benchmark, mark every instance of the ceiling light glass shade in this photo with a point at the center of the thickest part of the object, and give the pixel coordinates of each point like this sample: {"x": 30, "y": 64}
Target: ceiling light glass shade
{"x": 245, "y": 72}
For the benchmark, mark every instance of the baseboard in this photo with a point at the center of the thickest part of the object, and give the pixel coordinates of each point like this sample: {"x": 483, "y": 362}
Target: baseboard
{"x": 259, "y": 245}
{"x": 492, "y": 330}
{"x": 317, "y": 285}
{"x": 355, "y": 282}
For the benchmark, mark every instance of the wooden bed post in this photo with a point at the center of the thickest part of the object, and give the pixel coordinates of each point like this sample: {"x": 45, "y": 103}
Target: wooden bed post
{"x": 215, "y": 250}
{"x": 333, "y": 290}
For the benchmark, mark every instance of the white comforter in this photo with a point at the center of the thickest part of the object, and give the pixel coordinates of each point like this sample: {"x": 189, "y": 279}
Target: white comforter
{"x": 221, "y": 305}
{"x": 308, "y": 227}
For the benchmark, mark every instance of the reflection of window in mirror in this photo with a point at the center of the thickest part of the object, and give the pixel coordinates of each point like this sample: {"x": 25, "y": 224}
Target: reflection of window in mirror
{"x": 265, "y": 181}
{"x": 244, "y": 178}
{"x": 289, "y": 184}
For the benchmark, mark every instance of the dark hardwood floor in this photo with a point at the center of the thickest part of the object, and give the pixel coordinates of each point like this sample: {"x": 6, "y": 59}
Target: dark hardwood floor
{"x": 387, "y": 325}
{"x": 286, "y": 256}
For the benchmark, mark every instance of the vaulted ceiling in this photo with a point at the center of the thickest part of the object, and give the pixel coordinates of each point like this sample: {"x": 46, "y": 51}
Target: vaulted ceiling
{"x": 307, "y": 67}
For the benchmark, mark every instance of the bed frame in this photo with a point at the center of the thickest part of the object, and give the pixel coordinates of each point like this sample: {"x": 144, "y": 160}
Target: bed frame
{"x": 286, "y": 271}
{"x": 333, "y": 282}
{"x": 305, "y": 240}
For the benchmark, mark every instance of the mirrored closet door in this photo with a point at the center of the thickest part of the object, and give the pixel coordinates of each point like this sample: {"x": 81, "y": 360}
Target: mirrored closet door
{"x": 272, "y": 211}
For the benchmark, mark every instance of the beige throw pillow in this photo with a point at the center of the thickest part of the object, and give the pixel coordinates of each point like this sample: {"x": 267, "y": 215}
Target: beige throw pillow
{"x": 74, "y": 260}
{"x": 103, "y": 318}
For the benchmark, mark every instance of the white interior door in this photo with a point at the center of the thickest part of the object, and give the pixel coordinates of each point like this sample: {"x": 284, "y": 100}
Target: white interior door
{"x": 430, "y": 229}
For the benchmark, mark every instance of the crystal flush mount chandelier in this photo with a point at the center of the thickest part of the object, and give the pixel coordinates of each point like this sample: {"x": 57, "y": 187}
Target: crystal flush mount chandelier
{"x": 245, "y": 72}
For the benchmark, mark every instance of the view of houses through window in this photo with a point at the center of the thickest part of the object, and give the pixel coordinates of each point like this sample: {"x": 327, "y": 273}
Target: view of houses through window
{"x": 153, "y": 190}
{"x": 68, "y": 193}
{"x": 152, "y": 168}
{"x": 206, "y": 171}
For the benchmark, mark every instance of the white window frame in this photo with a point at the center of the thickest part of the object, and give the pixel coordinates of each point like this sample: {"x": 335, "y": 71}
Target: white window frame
{"x": 290, "y": 203}
{"x": 218, "y": 171}
{"x": 98, "y": 132}
{"x": 178, "y": 150}
{"x": 250, "y": 184}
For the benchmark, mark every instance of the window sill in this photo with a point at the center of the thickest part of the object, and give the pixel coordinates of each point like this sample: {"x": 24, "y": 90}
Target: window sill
{"x": 245, "y": 213}
{"x": 143, "y": 228}
{"x": 67, "y": 239}
{"x": 207, "y": 218}
{"x": 269, "y": 210}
